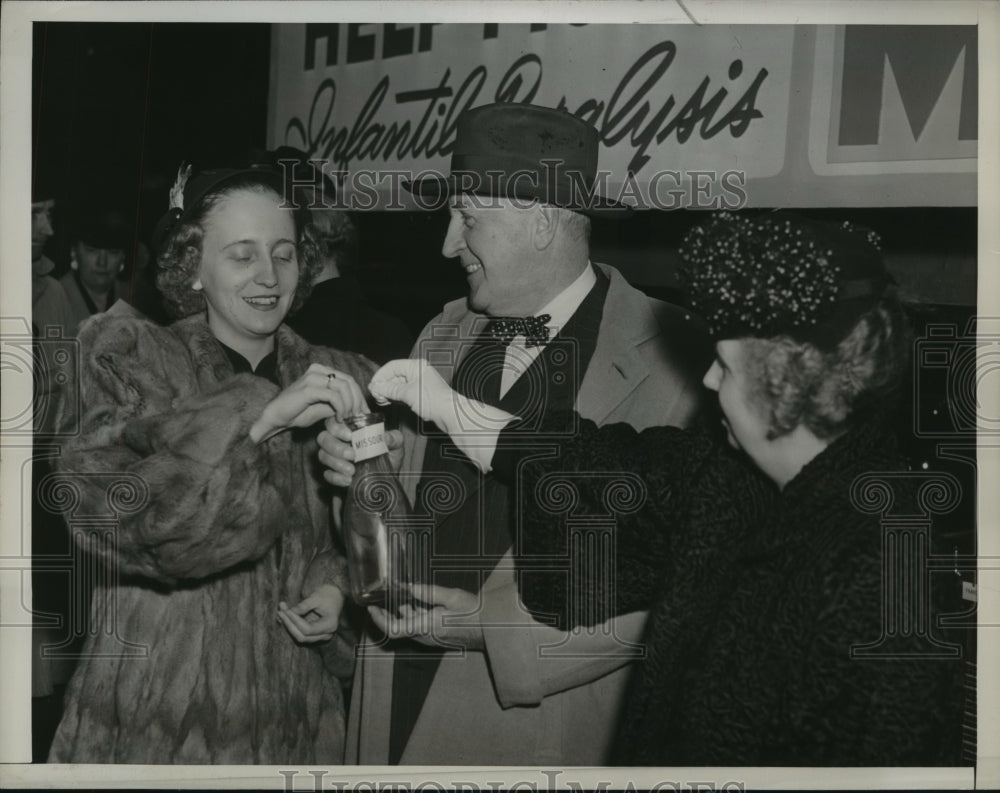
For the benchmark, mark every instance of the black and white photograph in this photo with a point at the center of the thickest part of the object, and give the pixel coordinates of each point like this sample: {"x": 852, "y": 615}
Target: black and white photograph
{"x": 468, "y": 396}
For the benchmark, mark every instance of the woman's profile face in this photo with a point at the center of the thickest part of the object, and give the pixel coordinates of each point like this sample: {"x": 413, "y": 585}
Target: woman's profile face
{"x": 744, "y": 418}
{"x": 249, "y": 270}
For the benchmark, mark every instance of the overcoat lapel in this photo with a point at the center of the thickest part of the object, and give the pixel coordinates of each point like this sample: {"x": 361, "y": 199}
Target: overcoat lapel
{"x": 616, "y": 368}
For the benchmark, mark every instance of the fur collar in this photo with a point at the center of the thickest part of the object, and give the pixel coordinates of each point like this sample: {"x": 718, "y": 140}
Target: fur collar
{"x": 212, "y": 364}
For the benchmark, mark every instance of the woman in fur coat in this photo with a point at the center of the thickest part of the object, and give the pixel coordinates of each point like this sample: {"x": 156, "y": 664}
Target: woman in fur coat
{"x": 198, "y": 447}
{"x": 761, "y": 559}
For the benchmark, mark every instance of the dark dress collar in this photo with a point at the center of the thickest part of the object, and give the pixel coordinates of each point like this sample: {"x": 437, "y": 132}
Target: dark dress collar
{"x": 267, "y": 368}
{"x": 798, "y": 516}
{"x": 865, "y": 448}
{"x": 214, "y": 361}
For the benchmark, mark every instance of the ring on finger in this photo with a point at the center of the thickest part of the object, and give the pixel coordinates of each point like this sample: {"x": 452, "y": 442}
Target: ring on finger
{"x": 330, "y": 378}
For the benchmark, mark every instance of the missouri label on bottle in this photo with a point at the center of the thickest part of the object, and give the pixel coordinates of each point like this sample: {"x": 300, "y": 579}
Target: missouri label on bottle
{"x": 368, "y": 440}
{"x": 376, "y": 516}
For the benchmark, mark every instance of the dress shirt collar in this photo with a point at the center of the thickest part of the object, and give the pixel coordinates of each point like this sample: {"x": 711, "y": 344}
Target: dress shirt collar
{"x": 562, "y": 307}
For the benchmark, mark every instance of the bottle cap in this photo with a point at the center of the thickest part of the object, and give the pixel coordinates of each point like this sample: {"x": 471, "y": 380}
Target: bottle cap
{"x": 364, "y": 420}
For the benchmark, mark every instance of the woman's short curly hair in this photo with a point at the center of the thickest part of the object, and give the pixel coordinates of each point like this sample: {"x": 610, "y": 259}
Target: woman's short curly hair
{"x": 829, "y": 392}
{"x": 179, "y": 256}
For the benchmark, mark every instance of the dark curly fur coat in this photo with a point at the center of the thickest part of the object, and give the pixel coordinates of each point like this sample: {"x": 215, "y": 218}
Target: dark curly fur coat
{"x": 186, "y": 661}
{"x": 756, "y": 599}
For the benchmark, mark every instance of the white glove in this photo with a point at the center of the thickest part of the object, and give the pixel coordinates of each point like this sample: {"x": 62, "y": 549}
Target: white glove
{"x": 472, "y": 426}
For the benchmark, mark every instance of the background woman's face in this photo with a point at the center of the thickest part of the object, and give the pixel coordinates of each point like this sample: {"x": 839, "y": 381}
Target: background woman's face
{"x": 744, "y": 418}
{"x": 249, "y": 270}
{"x": 98, "y": 267}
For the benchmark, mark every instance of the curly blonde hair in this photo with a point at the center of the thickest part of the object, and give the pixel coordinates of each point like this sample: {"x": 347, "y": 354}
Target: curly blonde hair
{"x": 179, "y": 257}
{"x": 828, "y": 392}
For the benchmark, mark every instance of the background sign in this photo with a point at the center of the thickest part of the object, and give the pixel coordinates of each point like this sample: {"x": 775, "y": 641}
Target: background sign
{"x": 895, "y": 100}
{"x": 664, "y": 100}
{"x": 688, "y": 116}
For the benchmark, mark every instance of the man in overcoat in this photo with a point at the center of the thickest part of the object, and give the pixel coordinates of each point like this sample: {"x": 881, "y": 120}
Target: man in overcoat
{"x": 542, "y": 327}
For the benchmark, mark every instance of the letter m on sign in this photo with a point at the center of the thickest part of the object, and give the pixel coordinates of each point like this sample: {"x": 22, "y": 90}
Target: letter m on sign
{"x": 906, "y": 85}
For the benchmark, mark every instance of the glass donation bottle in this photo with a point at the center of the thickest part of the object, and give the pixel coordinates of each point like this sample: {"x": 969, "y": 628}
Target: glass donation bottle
{"x": 376, "y": 515}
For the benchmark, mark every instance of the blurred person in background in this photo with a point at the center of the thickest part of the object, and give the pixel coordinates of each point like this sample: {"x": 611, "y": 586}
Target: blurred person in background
{"x": 137, "y": 287}
{"x": 100, "y": 237}
{"x": 51, "y": 316}
{"x": 337, "y": 313}
{"x": 49, "y": 304}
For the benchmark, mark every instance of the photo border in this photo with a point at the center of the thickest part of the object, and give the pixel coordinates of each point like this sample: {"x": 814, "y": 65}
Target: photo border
{"x": 15, "y": 116}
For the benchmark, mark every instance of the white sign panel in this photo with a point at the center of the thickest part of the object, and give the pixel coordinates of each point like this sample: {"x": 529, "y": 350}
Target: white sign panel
{"x": 672, "y": 104}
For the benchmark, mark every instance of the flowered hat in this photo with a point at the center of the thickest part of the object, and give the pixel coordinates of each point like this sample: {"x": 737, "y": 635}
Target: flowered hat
{"x": 782, "y": 274}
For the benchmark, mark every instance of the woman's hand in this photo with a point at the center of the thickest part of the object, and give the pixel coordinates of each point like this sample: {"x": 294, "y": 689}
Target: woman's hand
{"x": 320, "y": 393}
{"x": 314, "y": 619}
{"x": 444, "y": 617}
{"x": 337, "y": 454}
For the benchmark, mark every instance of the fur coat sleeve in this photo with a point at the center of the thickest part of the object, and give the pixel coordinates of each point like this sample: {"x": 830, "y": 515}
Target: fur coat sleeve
{"x": 205, "y": 496}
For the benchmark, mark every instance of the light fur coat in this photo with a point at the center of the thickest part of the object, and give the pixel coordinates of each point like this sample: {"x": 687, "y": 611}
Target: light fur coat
{"x": 202, "y": 532}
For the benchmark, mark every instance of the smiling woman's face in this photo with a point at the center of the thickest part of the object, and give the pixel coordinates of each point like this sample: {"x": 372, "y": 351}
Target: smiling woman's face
{"x": 249, "y": 270}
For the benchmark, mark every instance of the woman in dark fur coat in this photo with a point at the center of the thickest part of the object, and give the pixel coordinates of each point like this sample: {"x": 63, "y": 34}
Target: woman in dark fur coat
{"x": 763, "y": 577}
{"x": 198, "y": 444}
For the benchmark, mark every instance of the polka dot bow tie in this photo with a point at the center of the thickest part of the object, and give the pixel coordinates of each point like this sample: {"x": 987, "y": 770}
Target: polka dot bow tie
{"x": 503, "y": 329}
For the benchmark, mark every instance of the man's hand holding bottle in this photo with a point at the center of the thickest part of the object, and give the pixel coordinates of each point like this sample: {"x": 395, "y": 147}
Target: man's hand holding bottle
{"x": 337, "y": 454}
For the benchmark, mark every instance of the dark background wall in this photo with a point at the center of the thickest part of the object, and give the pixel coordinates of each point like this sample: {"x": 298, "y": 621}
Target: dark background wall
{"x": 118, "y": 106}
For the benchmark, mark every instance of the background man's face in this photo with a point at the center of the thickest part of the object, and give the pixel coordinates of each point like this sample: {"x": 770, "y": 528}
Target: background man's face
{"x": 494, "y": 245}
{"x": 41, "y": 226}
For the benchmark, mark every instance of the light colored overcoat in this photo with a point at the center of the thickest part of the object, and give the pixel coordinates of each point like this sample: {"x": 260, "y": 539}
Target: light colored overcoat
{"x": 510, "y": 705}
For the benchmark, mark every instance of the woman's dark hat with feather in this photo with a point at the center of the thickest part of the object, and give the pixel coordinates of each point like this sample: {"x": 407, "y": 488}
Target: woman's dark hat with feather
{"x": 187, "y": 192}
